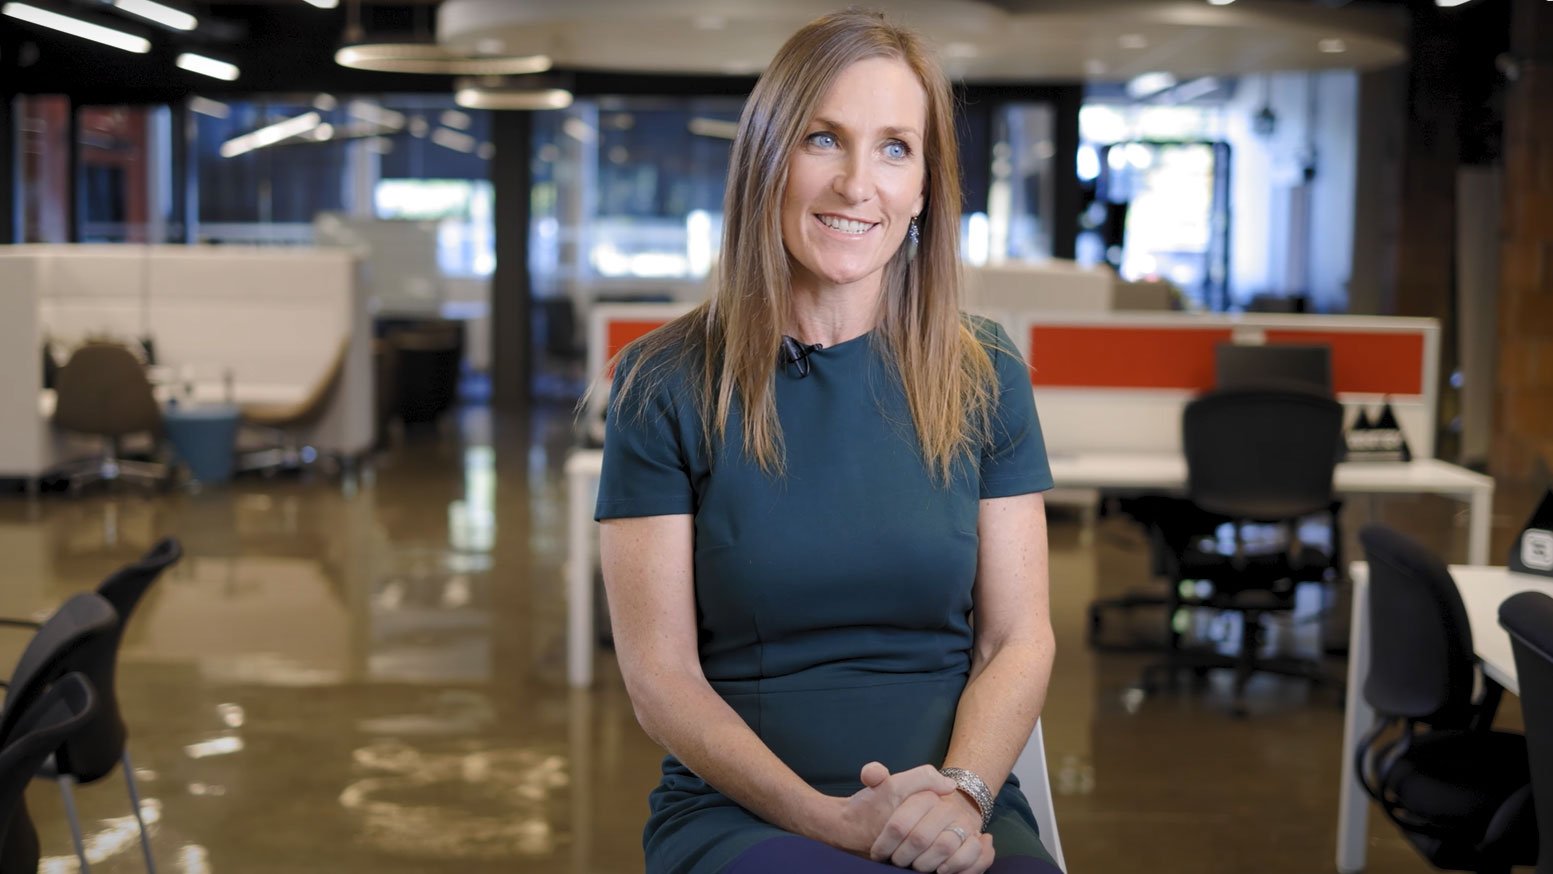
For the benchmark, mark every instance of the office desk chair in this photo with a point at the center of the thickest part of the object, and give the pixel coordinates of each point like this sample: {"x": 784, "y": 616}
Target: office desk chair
{"x": 58, "y": 713}
{"x": 82, "y": 624}
{"x": 103, "y": 391}
{"x": 1278, "y": 367}
{"x": 1528, "y": 617}
{"x": 289, "y": 422}
{"x": 1458, "y": 790}
{"x": 1254, "y": 456}
{"x": 101, "y": 745}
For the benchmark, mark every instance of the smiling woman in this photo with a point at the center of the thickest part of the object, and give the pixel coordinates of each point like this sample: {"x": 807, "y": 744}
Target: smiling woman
{"x": 813, "y": 484}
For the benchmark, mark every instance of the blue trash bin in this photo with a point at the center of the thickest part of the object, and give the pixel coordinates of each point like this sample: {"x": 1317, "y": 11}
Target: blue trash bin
{"x": 205, "y": 437}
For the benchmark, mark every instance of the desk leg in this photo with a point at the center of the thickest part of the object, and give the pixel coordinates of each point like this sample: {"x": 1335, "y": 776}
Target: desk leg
{"x": 1480, "y": 523}
{"x": 1353, "y": 805}
{"x": 579, "y": 579}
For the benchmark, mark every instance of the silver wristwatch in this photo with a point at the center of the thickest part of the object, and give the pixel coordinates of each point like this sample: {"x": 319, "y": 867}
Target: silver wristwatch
{"x": 974, "y": 787}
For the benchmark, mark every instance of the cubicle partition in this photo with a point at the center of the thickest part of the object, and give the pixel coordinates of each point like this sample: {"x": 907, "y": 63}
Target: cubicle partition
{"x": 266, "y": 321}
{"x": 1118, "y": 382}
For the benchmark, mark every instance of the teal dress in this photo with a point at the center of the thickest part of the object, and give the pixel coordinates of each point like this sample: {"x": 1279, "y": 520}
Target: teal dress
{"x": 833, "y": 602}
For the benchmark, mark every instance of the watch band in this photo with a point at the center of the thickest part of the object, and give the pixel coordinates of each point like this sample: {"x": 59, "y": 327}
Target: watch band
{"x": 975, "y": 788}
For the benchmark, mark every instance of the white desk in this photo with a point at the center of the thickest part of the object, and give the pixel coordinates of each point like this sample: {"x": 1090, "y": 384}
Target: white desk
{"x": 1482, "y": 589}
{"x": 1143, "y": 472}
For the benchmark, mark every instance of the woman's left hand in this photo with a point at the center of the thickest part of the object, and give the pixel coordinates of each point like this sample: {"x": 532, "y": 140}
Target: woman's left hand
{"x": 927, "y": 831}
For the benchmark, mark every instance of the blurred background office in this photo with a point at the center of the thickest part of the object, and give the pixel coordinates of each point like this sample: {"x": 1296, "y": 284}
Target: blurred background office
{"x": 357, "y": 262}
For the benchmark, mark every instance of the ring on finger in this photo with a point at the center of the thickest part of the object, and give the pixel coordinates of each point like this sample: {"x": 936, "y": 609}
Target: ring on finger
{"x": 959, "y": 832}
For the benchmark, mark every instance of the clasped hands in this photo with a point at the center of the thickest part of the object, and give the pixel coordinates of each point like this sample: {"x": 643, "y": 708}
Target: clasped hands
{"x": 916, "y": 819}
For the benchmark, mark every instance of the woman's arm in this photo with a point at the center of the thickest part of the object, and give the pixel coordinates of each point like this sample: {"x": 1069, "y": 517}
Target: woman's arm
{"x": 1010, "y": 665}
{"x": 649, "y": 576}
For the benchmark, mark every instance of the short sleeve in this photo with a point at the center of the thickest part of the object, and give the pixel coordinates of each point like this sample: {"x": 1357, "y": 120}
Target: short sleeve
{"x": 1014, "y": 461}
{"x": 646, "y": 472}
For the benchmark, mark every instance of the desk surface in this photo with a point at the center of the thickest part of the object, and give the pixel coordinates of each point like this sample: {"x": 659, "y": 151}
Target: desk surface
{"x": 1483, "y": 589}
{"x": 1120, "y": 470}
{"x": 1168, "y": 471}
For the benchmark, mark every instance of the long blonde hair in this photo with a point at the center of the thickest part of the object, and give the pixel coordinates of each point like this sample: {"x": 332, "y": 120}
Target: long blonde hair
{"x": 730, "y": 343}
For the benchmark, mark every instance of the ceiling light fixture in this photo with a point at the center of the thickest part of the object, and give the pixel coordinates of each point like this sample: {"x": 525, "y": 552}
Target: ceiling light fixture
{"x": 470, "y": 97}
{"x": 76, "y": 27}
{"x": 1220, "y": 2}
{"x": 1148, "y": 84}
{"x": 161, "y": 13}
{"x": 212, "y": 108}
{"x": 324, "y": 4}
{"x": 1446, "y": 4}
{"x": 458, "y": 141}
{"x": 208, "y": 66}
{"x": 1332, "y": 46}
{"x": 412, "y": 57}
{"x": 714, "y": 127}
{"x": 270, "y": 135}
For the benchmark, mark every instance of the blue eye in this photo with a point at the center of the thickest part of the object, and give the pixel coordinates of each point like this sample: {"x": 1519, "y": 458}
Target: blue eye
{"x": 822, "y": 139}
{"x": 897, "y": 150}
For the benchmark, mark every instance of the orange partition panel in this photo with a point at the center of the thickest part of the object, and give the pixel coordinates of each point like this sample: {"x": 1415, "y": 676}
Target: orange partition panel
{"x": 620, "y": 332}
{"x": 1368, "y": 362}
{"x": 1152, "y": 357}
{"x": 1124, "y": 356}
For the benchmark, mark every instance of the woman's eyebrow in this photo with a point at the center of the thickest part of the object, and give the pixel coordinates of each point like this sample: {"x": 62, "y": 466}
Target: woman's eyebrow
{"x": 888, "y": 130}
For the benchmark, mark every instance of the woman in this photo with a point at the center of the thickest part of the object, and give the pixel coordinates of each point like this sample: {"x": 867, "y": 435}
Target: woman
{"x": 813, "y": 483}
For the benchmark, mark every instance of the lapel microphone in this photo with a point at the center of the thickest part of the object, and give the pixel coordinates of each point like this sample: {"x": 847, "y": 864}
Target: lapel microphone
{"x": 796, "y": 355}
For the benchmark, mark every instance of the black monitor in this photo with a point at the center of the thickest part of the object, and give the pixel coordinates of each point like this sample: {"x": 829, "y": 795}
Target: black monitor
{"x": 1276, "y": 364}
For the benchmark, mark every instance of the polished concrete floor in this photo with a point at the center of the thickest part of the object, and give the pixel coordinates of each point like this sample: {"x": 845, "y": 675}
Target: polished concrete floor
{"x": 369, "y": 680}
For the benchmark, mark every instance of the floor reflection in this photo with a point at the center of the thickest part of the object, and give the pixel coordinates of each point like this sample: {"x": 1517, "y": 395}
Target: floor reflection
{"x": 372, "y": 681}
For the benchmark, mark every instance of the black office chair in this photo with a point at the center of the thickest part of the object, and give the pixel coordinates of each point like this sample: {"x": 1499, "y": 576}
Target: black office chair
{"x": 1459, "y": 790}
{"x": 56, "y": 714}
{"x": 82, "y": 624}
{"x": 92, "y": 753}
{"x": 1279, "y": 367}
{"x": 1255, "y": 456}
{"x": 1528, "y": 617}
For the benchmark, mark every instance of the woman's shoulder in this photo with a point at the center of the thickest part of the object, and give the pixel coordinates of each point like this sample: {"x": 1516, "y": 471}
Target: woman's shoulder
{"x": 991, "y": 334}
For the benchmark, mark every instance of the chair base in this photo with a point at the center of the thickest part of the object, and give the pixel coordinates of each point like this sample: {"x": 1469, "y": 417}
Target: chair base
{"x": 1246, "y": 663}
{"x": 110, "y": 469}
{"x": 1124, "y": 604}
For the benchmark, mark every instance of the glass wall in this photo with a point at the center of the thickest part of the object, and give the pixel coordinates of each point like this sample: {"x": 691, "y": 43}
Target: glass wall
{"x": 43, "y": 171}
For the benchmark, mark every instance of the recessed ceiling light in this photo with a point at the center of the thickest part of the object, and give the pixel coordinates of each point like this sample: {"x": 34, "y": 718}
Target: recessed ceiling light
{"x": 1133, "y": 41}
{"x": 498, "y": 98}
{"x": 207, "y": 66}
{"x": 212, "y": 108}
{"x": 435, "y": 59}
{"x": 1332, "y": 46}
{"x": 1220, "y": 2}
{"x": 324, "y": 4}
{"x": 162, "y": 14}
{"x": 270, "y": 135}
{"x": 76, "y": 27}
{"x": 1449, "y": 3}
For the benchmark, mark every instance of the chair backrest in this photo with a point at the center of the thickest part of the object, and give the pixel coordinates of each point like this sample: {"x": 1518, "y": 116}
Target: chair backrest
{"x": 94, "y": 751}
{"x": 1528, "y": 617}
{"x": 84, "y": 619}
{"x": 1421, "y": 655}
{"x": 103, "y": 390}
{"x": 52, "y": 717}
{"x": 1263, "y": 454}
{"x": 1292, "y": 365}
{"x": 124, "y": 587}
{"x": 1035, "y": 780}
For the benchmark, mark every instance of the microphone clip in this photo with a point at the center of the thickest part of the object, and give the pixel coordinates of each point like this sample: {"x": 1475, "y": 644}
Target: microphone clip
{"x": 796, "y": 355}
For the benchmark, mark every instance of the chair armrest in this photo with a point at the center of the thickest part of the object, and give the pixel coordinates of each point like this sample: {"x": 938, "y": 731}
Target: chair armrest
{"x": 19, "y": 623}
{"x": 1486, "y": 707}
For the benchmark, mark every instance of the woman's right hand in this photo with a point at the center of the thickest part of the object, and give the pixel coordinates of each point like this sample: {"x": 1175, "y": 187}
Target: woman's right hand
{"x": 862, "y": 815}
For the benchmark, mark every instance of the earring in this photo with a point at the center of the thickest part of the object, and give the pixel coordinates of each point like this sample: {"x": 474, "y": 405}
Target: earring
{"x": 913, "y": 239}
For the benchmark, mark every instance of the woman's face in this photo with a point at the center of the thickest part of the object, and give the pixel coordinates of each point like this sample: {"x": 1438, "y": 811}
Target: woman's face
{"x": 857, "y": 177}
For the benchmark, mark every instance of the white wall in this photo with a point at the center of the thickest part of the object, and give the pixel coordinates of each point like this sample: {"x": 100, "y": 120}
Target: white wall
{"x": 1292, "y": 192}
